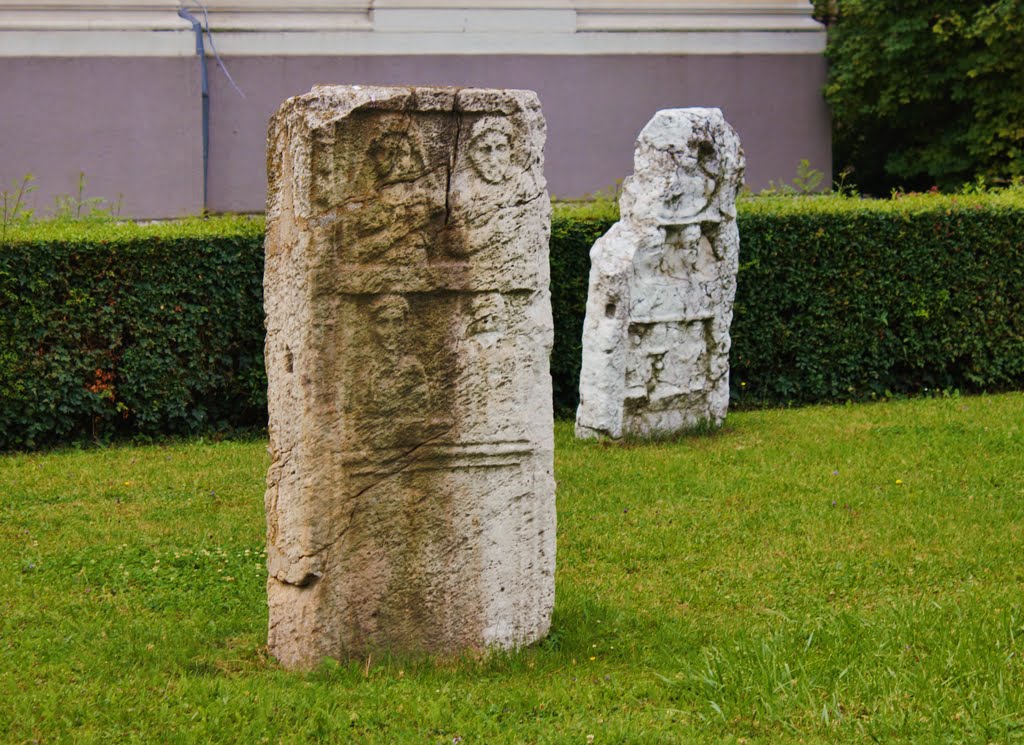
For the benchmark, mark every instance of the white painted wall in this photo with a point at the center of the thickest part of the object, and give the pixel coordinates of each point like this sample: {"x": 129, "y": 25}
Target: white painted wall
{"x": 71, "y": 28}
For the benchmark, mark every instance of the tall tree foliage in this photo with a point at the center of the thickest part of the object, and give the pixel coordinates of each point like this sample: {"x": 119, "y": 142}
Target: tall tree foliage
{"x": 927, "y": 93}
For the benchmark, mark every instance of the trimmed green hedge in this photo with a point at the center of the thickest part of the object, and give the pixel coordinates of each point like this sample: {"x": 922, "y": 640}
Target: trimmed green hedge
{"x": 114, "y": 329}
{"x": 843, "y": 298}
{"x": 118, "y": 329}
{"x": 574, "y": 228}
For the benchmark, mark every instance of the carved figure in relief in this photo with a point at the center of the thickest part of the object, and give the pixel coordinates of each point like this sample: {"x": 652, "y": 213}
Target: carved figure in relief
{"x": 487, "y": 318}
{"x": 397, "y": 156}
{"x": 400, "y": 377}
{"x": 394, "y": 225}
{"x": 490, "y": 186}
{"x": 490, "y": 149}
{"x": 410, "y": 500}
{"x": 665, "y": 361}
{"x": 656, "y": 334}
{"x": 690, "y": 186}
{"x": 682, "y": 252}
{"x": 484, "y": 365}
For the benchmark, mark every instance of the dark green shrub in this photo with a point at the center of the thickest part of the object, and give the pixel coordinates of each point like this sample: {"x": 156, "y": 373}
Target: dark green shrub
{"x": 574, "y": 228}
{"x": 926, "y": 93}
{"x": 850, "y": 299}
{"x": 113, "y": 328}
{"x": 843, "y": 299}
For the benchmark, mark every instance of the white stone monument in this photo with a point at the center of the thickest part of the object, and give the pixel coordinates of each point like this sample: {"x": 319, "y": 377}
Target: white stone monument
{"x": 662, "y": 282}
{"x": 410, "y": 499}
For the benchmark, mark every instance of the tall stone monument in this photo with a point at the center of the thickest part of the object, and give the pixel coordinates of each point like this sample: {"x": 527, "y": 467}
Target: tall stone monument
{"x": 410, "y": 498}
{"x": 662, "y": 282}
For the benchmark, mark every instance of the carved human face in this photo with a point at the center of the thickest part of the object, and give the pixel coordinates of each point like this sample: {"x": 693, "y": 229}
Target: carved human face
{"x": 689, "y": 189}
{"x": 671, "y": 186}
{"x": 396, "y": 157}
{"x": 491, "y": 155}
{"x": 682, "y": 250}
{"x": 389, "y": 314}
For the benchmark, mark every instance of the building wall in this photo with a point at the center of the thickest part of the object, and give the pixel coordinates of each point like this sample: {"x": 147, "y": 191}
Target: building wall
{"x": 130, "y": 125}
{"x": 114, "y": 92}
{"x": 595, "y": 106}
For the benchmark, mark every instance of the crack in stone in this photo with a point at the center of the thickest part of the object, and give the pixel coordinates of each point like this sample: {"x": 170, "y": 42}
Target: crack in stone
{"x": 355, "y": 497}
{"x": 306, "y": 582}
{"x": 457, "y": 117}
{"x": 310, "y": 579}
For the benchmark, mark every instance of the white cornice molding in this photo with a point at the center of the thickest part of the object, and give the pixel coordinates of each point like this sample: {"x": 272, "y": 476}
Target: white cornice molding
{"x": 431, "y": 27}
{"x": 528, "y": 43}
{"x": 99, "y": 15}
{"x": 97, "y": 43}
{"x": 162, "y": 15}
{"x": 783, "y": 7}
{"x": 361, "y": 44}
{"x": 286, "y": 15}
{"x": 695, "y": 15}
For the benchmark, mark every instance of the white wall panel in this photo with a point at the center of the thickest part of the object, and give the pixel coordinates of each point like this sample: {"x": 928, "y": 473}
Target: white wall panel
{"x": 381, "y": 27}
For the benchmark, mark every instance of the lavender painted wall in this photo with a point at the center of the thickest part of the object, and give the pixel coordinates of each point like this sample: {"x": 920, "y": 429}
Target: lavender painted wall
{"x": 133, "y": 124}
{"x": 594, "y": 106}
{"x": 130, "y": 124}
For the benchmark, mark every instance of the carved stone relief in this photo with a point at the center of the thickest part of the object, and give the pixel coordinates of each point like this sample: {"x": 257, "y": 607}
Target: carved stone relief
{"x": 662, "y": 282}
{"x": 410, "y": 499}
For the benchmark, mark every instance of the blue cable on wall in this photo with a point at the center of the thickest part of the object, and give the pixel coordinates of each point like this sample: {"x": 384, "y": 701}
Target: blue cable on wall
{"x": 197, "y": 26}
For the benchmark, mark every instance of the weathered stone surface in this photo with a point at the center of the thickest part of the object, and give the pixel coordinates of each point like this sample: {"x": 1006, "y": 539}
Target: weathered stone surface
{"x": 410, "y": 499}
{"x": 662, "y": 283}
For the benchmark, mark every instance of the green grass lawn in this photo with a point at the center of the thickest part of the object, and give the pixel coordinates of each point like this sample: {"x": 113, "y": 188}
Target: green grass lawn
{"x": 839, "y": 574}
